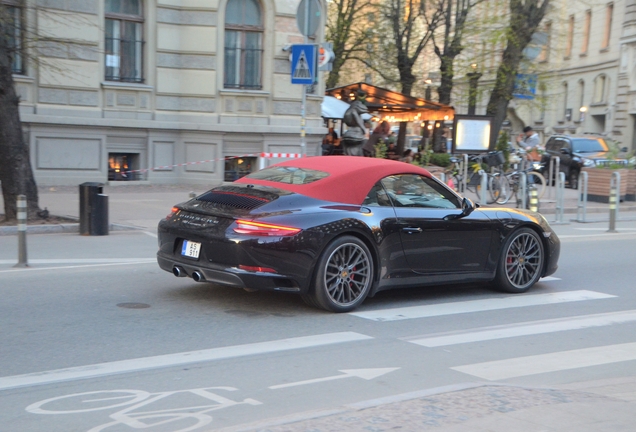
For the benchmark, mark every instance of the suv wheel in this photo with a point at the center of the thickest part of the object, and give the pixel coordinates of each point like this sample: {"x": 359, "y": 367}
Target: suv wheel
{"x": 573, "y": 180}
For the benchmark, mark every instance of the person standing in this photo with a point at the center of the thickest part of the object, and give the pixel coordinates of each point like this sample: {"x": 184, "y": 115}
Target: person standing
{"x": 529, "y": 140}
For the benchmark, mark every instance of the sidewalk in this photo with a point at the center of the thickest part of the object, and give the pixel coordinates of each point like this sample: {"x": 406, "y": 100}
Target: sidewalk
{"x": 595, "y": 406}
{"x": 142, "y": 206}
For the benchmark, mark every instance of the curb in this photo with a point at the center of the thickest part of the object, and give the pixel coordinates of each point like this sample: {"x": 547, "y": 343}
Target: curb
{"x": 59, "y": 228}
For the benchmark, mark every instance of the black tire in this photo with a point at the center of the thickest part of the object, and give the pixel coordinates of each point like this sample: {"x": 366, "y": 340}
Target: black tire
{"x": 573, "y": 179}
{"x": 343, "y": 277}
{"x": 521, "y": 262}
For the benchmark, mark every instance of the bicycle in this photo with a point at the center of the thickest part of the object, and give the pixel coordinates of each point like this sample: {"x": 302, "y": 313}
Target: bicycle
{"x": 513, "y": 177}
{"x": 497, "y": 184}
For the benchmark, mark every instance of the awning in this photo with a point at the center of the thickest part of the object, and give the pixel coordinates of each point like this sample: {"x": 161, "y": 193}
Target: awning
{"x": 393, "y": 106}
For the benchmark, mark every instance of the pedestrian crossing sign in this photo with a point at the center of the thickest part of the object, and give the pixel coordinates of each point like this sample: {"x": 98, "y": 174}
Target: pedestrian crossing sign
{"x": 303, "y": 64}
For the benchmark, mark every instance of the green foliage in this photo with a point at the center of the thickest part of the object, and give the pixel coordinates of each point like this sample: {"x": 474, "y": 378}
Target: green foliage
{"x": 440, "y": 159}
{"x": 380, "y": 149}
{"x": 503, "y": 145}
{"x": 425, "y": 155}
{"x": 613, "y": 153}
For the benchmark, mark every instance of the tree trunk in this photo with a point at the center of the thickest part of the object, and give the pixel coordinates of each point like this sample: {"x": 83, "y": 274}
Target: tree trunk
{"x": 16, "y": 174}
{"x": 446, "y": 81}
{"x": 524, "y": 20}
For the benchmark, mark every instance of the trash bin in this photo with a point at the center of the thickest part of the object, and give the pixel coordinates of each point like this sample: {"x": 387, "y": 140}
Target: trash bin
{"x": 93, "y": 209}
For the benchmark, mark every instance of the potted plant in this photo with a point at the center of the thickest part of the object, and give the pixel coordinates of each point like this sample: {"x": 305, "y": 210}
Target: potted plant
{"x": 600, "y": 175}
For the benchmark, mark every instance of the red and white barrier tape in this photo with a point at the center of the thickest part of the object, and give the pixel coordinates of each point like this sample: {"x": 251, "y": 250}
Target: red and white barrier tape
{"x": 261, "y": 155}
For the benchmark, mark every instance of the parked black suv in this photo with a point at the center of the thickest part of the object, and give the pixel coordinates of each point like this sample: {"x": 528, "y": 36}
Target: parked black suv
{"x": 576, "y": 152}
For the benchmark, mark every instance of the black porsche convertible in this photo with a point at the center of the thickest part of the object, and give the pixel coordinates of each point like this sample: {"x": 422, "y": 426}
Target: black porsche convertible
{"x": 336, "y": 229}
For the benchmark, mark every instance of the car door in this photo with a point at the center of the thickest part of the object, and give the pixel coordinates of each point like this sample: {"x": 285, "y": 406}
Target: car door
{"x": 432, "y": 243}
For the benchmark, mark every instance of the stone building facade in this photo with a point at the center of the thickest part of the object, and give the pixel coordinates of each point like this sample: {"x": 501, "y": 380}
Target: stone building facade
{"x": 159, "y": 91}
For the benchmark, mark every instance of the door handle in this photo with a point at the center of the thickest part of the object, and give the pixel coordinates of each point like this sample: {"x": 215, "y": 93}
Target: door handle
{"x": 411, "y": 230}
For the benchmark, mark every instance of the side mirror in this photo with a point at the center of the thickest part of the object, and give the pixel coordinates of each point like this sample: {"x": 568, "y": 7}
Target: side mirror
{"x": 565, "y": 151}
{"x": 467, "y": 208}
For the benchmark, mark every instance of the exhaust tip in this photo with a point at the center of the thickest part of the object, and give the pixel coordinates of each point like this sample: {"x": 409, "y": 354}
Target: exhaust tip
{"x": 198, "y": 277}
{"x": 178, "y": 271}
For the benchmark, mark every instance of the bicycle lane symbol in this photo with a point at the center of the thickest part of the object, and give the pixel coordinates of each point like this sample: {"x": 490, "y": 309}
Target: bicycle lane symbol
{"x": 195, "y": 416}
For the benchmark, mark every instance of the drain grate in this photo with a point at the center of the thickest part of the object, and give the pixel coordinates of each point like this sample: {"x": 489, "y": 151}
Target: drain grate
{"x": 133, "y": 305}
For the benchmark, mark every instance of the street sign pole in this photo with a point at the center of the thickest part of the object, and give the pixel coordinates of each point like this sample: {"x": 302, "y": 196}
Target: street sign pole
{"x": 303, "y": 144}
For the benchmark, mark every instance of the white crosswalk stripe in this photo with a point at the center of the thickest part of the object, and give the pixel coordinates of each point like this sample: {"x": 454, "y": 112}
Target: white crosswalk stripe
{"x": 513, "y": 301}
{"x": 526, "y": 329}
{"x": 553, "y": 362}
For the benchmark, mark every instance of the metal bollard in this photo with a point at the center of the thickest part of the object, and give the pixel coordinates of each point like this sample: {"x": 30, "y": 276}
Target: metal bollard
{"x": 22, "y": 230}
{"x": 483, "y": 182}
{"x": 560, "y": 199}
{"x": 523, "y": 183}
{"x": 581, "y": 207}
{"x": 464, "y": 171}
{"x": 555, "y": 165}
{"x": 534, "y": 199}
{"x": 613, "y": 200}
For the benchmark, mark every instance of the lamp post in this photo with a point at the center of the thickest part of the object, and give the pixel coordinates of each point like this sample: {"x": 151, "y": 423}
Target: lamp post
{"x": 473, "y": 77}
{"x": 427, "y": 92}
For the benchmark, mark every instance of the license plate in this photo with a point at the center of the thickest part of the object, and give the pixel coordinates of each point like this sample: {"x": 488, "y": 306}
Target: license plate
{"x": 190, "y": 249}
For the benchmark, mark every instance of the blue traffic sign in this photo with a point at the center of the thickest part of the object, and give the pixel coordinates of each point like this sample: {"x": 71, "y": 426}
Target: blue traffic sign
{"x": 303, "y": 64}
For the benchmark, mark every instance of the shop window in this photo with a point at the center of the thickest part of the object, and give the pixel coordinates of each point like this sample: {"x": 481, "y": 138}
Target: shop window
{"x": 237, "y": 167}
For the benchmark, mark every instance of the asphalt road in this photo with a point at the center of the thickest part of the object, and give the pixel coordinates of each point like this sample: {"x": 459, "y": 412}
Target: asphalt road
{"x": 96, "y": 337}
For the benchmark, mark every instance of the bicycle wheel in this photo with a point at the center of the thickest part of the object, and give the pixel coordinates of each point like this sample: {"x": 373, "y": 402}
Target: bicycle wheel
{"x": 500, "y": 189}
{"x": 537, "y": 179}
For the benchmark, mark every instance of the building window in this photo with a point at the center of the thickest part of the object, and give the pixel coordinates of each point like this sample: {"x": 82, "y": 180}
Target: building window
{"x": 124, "y": 40}
{"x": 600, "y": 84}
{"x": 12, "y": 13}
{"x": 570, "y": 41}
{"x": 243, "y": 44}
{"x": 545, "y": 49}
{"x": 586, "y": 31}
{"x": 564, "y": 104}
{"x": 609, "y": 12}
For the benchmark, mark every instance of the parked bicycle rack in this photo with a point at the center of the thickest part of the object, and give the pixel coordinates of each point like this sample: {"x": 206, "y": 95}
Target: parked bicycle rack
{"x": 553, "y": 169}
{"x": 483, "y": 175}
{"x": 523, "y": 190}
{"x": 560, "y": 200}
{"x": 581, "y": 206}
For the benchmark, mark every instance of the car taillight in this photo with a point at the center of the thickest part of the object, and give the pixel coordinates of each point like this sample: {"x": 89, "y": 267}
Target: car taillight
{"x": 264, "y": 229}
{"x": 257, "y": 269}
{"x": 172, "y": 212}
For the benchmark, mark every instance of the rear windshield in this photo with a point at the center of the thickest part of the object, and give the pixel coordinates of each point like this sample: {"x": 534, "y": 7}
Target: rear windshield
{"x": 288, "y": 175}
{"x": 588, "y": 145}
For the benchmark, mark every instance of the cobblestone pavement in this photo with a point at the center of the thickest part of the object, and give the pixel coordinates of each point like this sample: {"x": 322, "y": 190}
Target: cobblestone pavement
{"x": 494, "y": 406}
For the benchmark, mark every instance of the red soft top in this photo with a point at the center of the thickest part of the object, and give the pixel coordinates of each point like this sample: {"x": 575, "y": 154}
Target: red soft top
{"x": 350, "y": 177}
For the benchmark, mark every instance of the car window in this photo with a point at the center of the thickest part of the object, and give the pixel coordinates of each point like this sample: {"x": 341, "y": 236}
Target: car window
{"x": 377, "y": 197}
{"x": 289, "y": 175}
{"x": 586, "y": 145}
{"x": 551, "y": 145}
{"x": 562, "y": 143}
{"x": 411, "y": 190}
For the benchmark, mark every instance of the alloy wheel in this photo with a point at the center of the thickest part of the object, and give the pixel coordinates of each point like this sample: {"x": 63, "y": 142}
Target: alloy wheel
{"x": 348, "y": 274}
{"x": 523, "y": 260}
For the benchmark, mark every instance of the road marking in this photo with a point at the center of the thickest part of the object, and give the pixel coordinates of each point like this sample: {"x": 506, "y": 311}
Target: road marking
{"x": 526, "y": 329}
{"x": 151, "y": 234}
{"x": 553, "y": 362}
{"x": 84, "y": 261}
{"x": 602, "y": 229}
{"x": 605, "y": 236}
{"x": 512, "y": 301}
{"x": 169, "y": 360}
{"x": 367, "y": 374}
{"x": 32, "y": 269}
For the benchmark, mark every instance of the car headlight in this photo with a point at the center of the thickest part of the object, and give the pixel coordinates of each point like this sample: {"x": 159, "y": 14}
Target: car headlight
{"x": 588, "y": 162}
